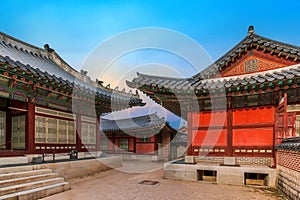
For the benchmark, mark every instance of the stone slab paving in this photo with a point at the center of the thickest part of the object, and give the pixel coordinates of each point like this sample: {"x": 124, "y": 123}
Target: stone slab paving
{"x": 115, "y": 184}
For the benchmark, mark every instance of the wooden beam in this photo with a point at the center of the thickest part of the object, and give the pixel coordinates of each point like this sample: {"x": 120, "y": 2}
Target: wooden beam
{"x": 287, "y": 56}
{"x": 295, "y": 59}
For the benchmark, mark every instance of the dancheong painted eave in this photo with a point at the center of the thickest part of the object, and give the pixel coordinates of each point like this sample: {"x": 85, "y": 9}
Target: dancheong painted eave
{"x": 271, "y": 79}
{"x": 43, "y": 68}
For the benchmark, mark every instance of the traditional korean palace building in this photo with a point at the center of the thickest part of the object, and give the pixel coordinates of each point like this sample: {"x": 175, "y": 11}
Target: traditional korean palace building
{"x": 241, "y": 106}
{"x": 147, "y": 135}
{"x": 47, "y": 106}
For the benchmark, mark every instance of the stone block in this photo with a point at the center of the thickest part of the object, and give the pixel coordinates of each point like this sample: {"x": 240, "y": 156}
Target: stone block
{"x": 80, "y": 155}
{"x": 13, "y": 160}
{"x": 189, "y": 159}
{"x": 229, "y": 161}
{"x": 37, "y": 160}
{"x": 155, "y": 158}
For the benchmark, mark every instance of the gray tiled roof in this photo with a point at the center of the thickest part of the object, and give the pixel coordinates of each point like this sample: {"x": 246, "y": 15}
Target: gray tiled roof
{"x": 289, "y": 144}
{"x": 35, "y": 57}
{"x": 291, "y": 72}
{"x": 135, "y": 123}
{"x": 47, "y": 64}
{"x": 204, "y": 80}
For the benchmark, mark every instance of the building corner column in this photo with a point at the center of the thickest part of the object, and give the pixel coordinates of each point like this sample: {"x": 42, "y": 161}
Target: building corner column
{"x": 30, "y": 128}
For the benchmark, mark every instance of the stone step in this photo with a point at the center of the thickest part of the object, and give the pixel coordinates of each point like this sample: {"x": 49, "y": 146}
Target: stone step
{"x": 38, "y": 193}
{"x": 6, "y": 170}
{"x": 13, "y": 160}
{"x": 28, "y": 186}
{"x": 24, "y": 174}
{"x": 27, "y": 179}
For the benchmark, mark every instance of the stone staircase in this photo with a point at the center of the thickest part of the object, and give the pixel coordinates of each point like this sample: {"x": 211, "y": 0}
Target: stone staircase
{"x": 23, "y": 183}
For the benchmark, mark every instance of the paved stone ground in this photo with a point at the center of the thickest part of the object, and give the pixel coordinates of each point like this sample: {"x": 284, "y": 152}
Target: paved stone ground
{"x": 115, "y": 184}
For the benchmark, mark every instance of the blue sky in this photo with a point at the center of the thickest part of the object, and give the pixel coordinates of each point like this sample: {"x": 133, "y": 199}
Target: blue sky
{"x": 75, "y": 28}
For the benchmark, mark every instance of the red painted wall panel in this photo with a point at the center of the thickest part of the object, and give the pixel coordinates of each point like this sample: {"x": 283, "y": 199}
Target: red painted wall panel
{"x": 131, "y": 144}
{"x": 209, "y": 118}
{"x": 145, "y": 148}
{"x": 253, "y": 137}
{"x": 210, "y": 138}
{"x": 252, "y": 116}
{"x": 110, "y": 145}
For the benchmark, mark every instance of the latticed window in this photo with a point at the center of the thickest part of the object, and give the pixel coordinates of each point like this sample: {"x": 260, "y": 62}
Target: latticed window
{"x": 145, "y": 139}
{"x": 104, "y": 143}
{"x": 52, "y": 130}
{"x": 18, "y": 132}
{"x": 40, "y": 129}
{"x": 2, "y": 129}
{"x": 71, "y": 132}
{"x": 88, "y": 133}
{"x": 62, "y": 131}
{"x": 123, "y": 144}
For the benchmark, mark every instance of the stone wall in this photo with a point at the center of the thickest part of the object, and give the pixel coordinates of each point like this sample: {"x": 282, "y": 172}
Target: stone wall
{"x": 288, "y": 168}
{"x": 288, "y": 182}
{"x": 224, "y": 174}
{"x": 81, "y": 168}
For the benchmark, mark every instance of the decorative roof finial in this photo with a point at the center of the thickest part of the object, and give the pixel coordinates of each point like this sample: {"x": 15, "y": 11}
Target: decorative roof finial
{"x": 47, "y": 48}
{"x": 251, "y": 30}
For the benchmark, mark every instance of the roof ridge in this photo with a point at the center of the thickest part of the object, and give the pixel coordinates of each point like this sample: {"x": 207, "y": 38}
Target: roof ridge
{"x": 277, "y": 41}
{"x": 223, "y": 56}
{"x": 53, "y": 55}
{"x": 22, "y": 42}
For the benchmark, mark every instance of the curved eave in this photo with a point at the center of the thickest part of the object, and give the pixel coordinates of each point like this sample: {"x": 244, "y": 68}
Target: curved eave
{"x": 35, "y": 77}
{"x": 267, "y": 80}
{"x": 138, "y": 129}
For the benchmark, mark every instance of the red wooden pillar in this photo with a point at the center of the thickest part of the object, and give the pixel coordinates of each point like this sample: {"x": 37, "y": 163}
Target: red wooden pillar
{"x": 190, "y": 133}
{"x": 98, "y": 133}
{"x": 229, "y": 150}
{"x": 8, "y": 129}
{"x": 294, "y": 131}
{"x": 30, "y": 128}
{"x": 134, "y": 150}
{"x": 113, "y": 142}
{"x": 274, "y": 137}
{"x": 78, "y": 132}
{"x": 285, "y": 120}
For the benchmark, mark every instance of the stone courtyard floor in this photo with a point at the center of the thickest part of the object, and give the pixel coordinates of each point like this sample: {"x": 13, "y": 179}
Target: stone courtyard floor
{"x": 116, "y": 184}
